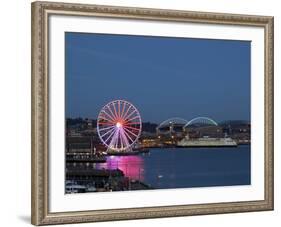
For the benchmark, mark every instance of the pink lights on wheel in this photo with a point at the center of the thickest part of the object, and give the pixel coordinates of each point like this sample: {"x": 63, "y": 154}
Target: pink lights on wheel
{"x": 119, "y": 125}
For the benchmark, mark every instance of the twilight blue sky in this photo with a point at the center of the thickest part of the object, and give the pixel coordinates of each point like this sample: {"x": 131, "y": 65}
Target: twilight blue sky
{"x": 162, "y": 77}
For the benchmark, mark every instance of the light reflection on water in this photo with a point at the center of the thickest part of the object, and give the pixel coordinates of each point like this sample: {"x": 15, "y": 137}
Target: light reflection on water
{"x": 131, "y": 166}
{"x": 186, "y": 167}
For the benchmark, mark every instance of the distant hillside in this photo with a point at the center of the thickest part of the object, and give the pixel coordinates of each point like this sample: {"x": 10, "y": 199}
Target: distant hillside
{"x": 79, "y": 121}
{"x": 234, "y": 122}
{"x": 149, "y": 127}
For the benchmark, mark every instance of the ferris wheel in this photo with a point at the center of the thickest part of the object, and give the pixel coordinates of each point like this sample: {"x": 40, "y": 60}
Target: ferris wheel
{"x": 119, "y": 125}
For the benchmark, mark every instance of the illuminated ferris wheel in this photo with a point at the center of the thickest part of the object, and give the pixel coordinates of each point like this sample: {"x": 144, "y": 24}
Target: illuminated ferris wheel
{"x": 119, "y": 125}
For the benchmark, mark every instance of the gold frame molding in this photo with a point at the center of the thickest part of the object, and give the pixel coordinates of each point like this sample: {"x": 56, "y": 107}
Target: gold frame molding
{"x": 40, "y": 106}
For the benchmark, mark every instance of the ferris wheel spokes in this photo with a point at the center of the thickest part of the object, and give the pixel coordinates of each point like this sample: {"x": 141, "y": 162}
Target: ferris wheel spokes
{"x": 119, "y": 125}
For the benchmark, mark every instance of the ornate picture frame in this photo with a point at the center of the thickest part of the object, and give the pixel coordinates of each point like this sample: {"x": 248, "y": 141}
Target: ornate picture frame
{"x": 41, "y": 12}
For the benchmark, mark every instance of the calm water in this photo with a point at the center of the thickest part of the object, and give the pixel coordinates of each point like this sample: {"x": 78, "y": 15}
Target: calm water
{"x": 186, "y": 167}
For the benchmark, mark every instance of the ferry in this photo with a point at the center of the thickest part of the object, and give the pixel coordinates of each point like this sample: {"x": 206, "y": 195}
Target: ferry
{"x": 207, "y": 142}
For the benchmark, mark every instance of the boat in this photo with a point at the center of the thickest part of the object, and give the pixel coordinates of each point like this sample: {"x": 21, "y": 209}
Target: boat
{"x": 91, "y": 189}
{"x": 207, "y": 142}
{"x": 127, "y": 153}
{"x": 73, "y": 187}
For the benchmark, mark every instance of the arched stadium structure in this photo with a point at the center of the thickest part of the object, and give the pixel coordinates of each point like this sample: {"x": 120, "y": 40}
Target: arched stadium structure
{"x": 171, "y": 125}
{"x": 200, "y": 122}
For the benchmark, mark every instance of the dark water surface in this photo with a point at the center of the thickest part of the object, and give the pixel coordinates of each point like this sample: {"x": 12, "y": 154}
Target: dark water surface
{"x": 187, "y": 167}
